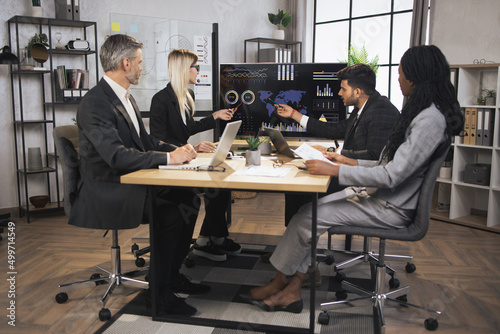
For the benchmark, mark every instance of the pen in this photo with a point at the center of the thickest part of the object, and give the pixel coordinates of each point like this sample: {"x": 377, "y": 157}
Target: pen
{"x": 336, "y": 144}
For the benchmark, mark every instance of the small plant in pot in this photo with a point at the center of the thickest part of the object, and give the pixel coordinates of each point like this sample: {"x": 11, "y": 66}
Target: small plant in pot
{"x": 490, "y": 96}
{"x": 265, "y": 145}
{"x": 280, "y": 20}
{"x": 252, "y": 155}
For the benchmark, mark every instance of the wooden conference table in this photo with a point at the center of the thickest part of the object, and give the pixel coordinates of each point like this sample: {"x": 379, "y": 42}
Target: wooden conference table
{"x": 296, "y": 180}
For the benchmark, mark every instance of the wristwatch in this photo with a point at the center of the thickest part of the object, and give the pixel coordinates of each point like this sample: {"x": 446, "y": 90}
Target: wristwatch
{"x": 331, "y": 149}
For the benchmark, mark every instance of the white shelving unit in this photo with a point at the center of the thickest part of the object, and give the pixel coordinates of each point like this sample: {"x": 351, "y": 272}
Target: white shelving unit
{"x": 472, "y": 204}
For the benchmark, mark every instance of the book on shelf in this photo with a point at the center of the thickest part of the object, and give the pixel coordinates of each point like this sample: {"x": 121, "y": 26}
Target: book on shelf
{"x": 70, "y": 84}
{"x": 478, "y": 126}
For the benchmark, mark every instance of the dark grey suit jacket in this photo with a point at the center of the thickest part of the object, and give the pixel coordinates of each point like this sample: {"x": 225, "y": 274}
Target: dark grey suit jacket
{"x": 364, "y": 138}
{"x": 166, "y": 121}
{"x": 109, "y": 148}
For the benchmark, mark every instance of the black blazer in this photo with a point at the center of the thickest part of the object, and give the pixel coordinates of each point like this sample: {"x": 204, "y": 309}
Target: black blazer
{"x": 166, "y": 121}
{"x": 364, "y": 138}
{"x": 109, "y": 148}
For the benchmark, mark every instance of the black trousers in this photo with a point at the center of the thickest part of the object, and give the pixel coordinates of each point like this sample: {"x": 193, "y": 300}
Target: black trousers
{"x": 175, "y": 214}
{"x": 216, "y": 205}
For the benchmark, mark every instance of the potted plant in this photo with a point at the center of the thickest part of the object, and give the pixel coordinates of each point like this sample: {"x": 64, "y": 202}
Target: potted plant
{"x": 490, "y": 97}
{"x": 265, "y": 145}
{"x": 252, "y": 155}
{"x": 37, "y": 41}
{"x": 280, "y": 20}
{"x": 480, "y": 100}
{"x": 360, "y": 56}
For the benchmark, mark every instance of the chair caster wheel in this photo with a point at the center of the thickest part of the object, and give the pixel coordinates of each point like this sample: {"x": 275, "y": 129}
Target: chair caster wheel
{"x": 135, "y": 248}
{"x": 341, "y": 295}
{"x": 140, "y": 262}
{"x": 410, "y": 267}
{"x": 394, "y": 283}
{"x": 61, "y": 297}
{"x": 340, "y": 276}
{"x": 329, "y": 260}
{"x": 431, "y": 324}
{"x": 97, "y": 275}
{"x": 104, "y": 314}
{"x": 324, "y": 318}
{"x": 189, "y": 263}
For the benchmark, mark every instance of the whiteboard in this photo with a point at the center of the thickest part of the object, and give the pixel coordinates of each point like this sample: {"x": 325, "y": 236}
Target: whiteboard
{"x": 160, "y": 36}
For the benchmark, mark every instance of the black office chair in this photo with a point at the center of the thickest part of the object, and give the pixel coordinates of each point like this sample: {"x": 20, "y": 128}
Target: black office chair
{"x": 66, "y": 141}
{"x": 413, "y": 232}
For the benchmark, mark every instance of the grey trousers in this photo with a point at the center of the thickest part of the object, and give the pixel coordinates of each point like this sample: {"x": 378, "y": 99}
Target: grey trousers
{"x": 351, "y": 206}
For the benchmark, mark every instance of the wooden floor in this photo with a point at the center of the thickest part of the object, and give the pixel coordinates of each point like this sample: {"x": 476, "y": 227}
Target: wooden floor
{"x": 458, "y": 272}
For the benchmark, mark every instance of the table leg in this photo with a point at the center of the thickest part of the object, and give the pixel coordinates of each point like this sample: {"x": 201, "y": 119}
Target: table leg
{"x": 312, "y": 274}
{"x": 153, "y": 286}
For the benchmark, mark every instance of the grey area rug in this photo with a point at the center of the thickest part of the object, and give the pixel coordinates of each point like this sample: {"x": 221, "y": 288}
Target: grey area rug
{"x": 221, "y": 311}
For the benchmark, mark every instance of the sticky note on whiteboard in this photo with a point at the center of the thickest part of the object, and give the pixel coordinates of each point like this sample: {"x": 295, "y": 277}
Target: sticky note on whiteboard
{"x": 115, "y": 26}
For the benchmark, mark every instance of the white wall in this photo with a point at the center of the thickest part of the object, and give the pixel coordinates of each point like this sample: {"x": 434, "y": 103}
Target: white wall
{"x": 466, "y": 30}
{"x": 463, "y": 29}
{"x": 238, "y": 20}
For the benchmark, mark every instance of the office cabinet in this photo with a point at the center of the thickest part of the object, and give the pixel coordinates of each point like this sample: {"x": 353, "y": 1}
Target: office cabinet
{"x": 473, "y": 202}
{"x": 36, "y": 101}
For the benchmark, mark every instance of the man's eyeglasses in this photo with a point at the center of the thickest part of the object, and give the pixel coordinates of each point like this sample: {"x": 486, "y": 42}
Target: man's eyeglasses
{"x": 197, "y": 67}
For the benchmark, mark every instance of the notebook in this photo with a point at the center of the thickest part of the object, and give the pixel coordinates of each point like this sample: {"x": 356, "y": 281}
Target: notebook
{"x": 220, "y": 154}
{"x": 279, "y": 141}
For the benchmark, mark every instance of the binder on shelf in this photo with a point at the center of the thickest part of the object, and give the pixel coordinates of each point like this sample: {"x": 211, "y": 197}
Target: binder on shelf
{"x": 269, "y": 55}
{"x": 76, "y": 10}
{"x": 488, "y": 125}
{"x": 473, "y": 126}
{"x": 479, "y": 126}
{"x": 467, "y": 126}
{"x": 64, "y": 9}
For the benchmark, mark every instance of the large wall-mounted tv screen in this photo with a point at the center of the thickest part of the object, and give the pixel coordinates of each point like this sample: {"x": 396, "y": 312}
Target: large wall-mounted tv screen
{"x": 310, "y": 88}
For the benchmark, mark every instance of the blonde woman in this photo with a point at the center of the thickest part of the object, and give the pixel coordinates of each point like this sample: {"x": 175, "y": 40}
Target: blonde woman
{"x": 172, "y": 111}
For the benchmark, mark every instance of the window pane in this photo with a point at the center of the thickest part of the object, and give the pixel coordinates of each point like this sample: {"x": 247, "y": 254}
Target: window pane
{"x": 328, "y": 10}
{"x": 401, "y": 36}
{"x": 403, "y": 5}
{"x": 374, "y": 33}
{"x": 383, "y": 81}
{"x": 369, "y": 7}
{"x": 331, "y": 43}
{"x": 396, "y": 95}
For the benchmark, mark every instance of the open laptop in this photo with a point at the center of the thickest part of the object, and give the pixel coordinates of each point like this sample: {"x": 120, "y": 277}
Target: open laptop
{"x": 220, "y": 154}
{"x": 279, "y": 141}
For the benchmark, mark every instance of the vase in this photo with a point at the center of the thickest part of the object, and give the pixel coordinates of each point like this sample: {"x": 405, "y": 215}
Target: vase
{"x": 36, "y": 11}
{"x": 34, "y": 158}
{"x": 252, "y": 157}
{"x": 278, "y": 34}
{"x": 489, "y": 101}
{"x": 265, "y": 148}
{"x": 445, "y": 172}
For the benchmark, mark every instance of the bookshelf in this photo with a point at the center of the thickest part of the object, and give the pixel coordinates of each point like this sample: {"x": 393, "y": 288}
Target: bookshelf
{"x": 474, "y": 204}
{"x": 34, "y": 105}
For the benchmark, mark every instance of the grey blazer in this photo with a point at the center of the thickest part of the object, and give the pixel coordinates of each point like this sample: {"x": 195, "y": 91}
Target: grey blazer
{"x": 109, "y": 148}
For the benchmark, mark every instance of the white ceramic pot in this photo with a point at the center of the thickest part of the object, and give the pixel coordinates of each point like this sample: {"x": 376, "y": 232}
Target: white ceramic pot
{"x": 265, "y": 148}
{"x": 278, "y": 34}
{"x": 36, "y": 11}
{"x": 252, "y": 157}
{"x": 445, "y": 173}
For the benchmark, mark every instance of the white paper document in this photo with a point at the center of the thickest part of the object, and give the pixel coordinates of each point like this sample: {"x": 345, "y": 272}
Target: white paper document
{"x": 306, "y": 152}
{"x": 263, "y": 171}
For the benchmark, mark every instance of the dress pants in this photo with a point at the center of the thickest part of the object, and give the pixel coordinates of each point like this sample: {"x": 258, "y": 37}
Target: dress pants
{"x": 351, "y": 206}
{"x": 216, "y": 204}
{"x": 175, "y": 215}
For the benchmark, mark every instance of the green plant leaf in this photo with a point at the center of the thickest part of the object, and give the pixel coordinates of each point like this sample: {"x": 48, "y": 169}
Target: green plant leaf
{"x": 361, "y": 56}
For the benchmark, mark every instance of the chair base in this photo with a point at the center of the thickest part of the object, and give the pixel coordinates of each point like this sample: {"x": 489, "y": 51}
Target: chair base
{"x": 115, "y": 278}
{"x": 377, "y": 297}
